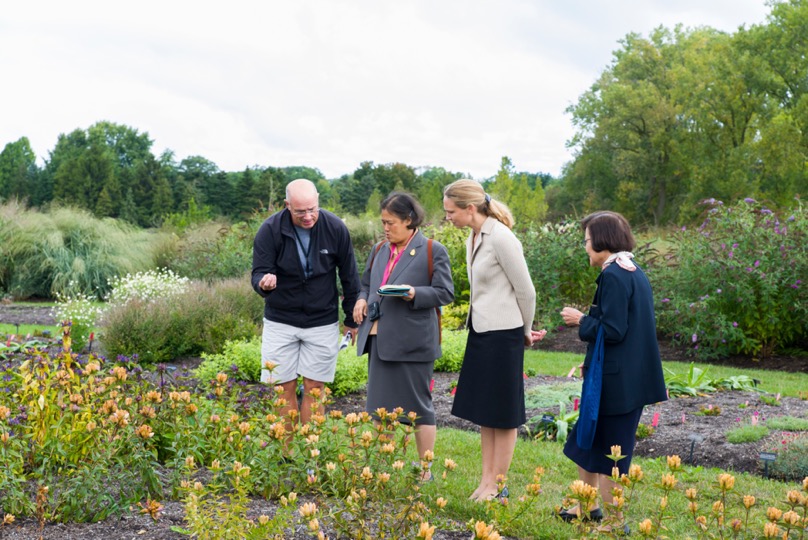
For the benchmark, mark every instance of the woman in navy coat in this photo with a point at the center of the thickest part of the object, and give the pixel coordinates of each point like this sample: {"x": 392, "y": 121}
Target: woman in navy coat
{"x": 632, "y": 369}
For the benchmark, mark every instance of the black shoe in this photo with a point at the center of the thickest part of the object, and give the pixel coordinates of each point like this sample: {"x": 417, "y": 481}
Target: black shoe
{"x": 593, "y": 515}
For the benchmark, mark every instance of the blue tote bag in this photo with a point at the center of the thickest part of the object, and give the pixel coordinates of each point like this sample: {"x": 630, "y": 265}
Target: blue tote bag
{"x": 590, "y": 396}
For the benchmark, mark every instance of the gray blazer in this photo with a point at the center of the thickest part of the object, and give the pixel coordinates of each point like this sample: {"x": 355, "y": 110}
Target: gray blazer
{"x": 407, "y": 331}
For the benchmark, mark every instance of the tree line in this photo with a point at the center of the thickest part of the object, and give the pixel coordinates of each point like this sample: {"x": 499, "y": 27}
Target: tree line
{"x": 678, "y": 117}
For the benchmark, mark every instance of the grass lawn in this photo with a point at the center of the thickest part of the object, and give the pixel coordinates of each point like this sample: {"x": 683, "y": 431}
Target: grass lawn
{"x": 538, "y": 521}
{"x": 785, "y": 383}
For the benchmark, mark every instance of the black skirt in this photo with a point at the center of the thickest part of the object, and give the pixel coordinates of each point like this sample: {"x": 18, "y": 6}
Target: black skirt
{"x": 618, "y": 429}
{"x": 491, "y": 386}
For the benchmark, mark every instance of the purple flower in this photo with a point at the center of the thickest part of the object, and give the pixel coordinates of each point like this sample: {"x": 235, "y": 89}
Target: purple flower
{"x": 791, "y": 218}
{"x": 684, "y": 228}
{"x": 666, "y": 300}
{"x": 735, "y": 324}
{"x": 757, "y": 263}
{"x": 695, "y": 338}
{"x": 734, "y": 245}
{"x": 749, "y": 200}
{"x": 766, "y": 211}
{"x": 730, "y": 254}
{"x": 718, "y": 291}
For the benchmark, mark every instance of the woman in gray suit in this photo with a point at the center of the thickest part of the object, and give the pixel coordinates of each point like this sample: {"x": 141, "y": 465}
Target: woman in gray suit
{"x": 402, "y": 333}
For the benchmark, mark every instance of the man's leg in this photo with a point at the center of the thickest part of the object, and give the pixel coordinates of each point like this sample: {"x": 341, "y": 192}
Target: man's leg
{"x": 318, "y": 362}
{"x": 311, "y": 404}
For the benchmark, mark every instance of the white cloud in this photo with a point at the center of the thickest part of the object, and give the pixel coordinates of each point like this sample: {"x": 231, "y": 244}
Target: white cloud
{"x": 451, "y": 83}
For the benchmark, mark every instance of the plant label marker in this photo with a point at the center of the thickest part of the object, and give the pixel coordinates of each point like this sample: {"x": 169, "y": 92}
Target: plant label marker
{"x": 766, "y": 457}
{"x": 694, "y": 438}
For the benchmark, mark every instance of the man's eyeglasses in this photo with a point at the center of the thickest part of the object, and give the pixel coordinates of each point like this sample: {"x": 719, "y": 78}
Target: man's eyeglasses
{"x": 303, "y": 213}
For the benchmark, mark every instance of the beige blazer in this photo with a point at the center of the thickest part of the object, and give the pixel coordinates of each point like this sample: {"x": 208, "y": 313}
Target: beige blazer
{"x": 502, "y": 293}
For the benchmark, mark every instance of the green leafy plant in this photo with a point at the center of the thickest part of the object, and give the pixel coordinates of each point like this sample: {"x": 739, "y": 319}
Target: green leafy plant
{"x": 792, "y": 457}
{"x": 734, "y": 284}
{"x": 644, "y": 431}
{"x": 694, "y": 382}
{"x": 453, "y": 348}
{"x": 709, "y": 410}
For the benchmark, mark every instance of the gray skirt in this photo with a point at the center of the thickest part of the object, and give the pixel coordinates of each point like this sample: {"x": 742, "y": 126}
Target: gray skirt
{"x": 400, "y": 384}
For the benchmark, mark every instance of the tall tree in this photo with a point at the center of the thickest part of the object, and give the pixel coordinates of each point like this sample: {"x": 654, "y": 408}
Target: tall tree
{"x": 17, "y": 169}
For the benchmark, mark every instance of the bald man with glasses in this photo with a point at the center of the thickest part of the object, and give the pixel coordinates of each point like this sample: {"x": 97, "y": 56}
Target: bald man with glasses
{"x": 297, "y": 255}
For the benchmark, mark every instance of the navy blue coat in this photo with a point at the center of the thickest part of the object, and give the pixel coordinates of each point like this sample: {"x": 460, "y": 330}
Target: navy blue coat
{"x": 632, "y": 368}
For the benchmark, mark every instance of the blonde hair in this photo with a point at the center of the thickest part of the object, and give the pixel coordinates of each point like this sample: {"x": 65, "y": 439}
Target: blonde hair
{"x": 466, "y": 192}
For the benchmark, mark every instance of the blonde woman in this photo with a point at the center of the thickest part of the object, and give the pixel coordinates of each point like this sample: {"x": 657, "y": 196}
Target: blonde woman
{"x": 490, "y": 388}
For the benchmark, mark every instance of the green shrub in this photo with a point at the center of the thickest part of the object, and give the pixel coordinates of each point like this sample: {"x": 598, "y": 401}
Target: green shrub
{"x": 453, "y": 347}
{"x": 213, "y": 250}
{"x": 734, "y": 285}
{"x": 792, "y": 457}
{"x": 351, "y": 375}
{"x": 747, "y": 433}
{"x": 68, "y": 251}
{"x": 199, "y": 320}
{"x": 146, "y": 286}
{"x": 245, "y": 355}
{"x": 454, "y": 315}
{"x": 644, "y": 431}
{"x": 787, "y": 423}
{"x": 454, "y": 240}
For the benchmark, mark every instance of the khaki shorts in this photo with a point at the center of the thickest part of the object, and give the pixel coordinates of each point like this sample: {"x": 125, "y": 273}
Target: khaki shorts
{"x": 310, "y": 352}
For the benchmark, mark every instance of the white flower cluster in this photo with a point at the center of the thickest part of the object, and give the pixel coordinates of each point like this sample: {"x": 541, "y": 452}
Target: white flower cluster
{"x": 76, "y": 307}
{"x": 146, "y": 286}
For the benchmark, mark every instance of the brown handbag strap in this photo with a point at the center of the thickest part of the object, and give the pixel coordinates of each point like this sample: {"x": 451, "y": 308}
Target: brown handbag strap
{"x": 430, "y": 266}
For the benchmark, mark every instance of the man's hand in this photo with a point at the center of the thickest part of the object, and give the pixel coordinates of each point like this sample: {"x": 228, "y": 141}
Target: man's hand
{"x": 268, "y": 282}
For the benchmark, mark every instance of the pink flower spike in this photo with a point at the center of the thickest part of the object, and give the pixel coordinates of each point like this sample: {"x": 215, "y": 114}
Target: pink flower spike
{"x": 524, "y": 375}
{"x": 683, "y": 418}
{"x": 575, "y": 404}
{"x": 655, "y": 420}
{"x": 454, "y": 390}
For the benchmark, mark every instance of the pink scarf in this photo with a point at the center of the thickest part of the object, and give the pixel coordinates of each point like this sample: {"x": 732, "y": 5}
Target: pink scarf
{"x": 623, "y": 259}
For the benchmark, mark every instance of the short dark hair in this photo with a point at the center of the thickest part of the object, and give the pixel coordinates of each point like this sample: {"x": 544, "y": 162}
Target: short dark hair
{"x": 403, "y": 206}
{"x": 608, "y": 231}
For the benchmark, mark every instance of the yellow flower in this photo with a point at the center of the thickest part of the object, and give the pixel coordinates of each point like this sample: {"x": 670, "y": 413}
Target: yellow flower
{"x": 701, "y": 521}
{"x": 429, "y": 455}
{"x": 635, "y": 473}
{"x": 8, "y": 519}
{"x": 805, "y": 484}
{"x": 774, "y": 514}
{"x": 221, "y": 378}
{"x": 270, "y": 365}
{"x": 263, "y": 519}
{"x": 794, "y": 497}
{"x": 674, "y": 463}
{"x": 482, "y": 530}
{"x": 441, "y": 502}
{"x": 663, "y": 503}
{"x": 315, "y": 452}
{"x": 314, "y": 525}
{"x": 726, "y": 481}
{"x": 449, "y": 464}
{"x": 791, "y": 518}
{"x": 366, "y": 475}
{"x": 691, "y": 493}
{"x": 425, "y": 531}
{"x": 617, "y": 452}
{"x": 771, "y": 530}
{"x": 216, "y": 465}
{"x": 645, "y": 527}
{"x": 119, "y": 372}
{"x": 736, "y": 525}
{"x": 90, "y": 426}
{"x": 748, "y": 501}
{"x": 718, "y": 507}
{"x": 5, "y": 412}
{"x": 692, "y": 506}
{"x": 398, "y": 465}
{"x": 668, "y": 481}
{"x": 307, "y": 509}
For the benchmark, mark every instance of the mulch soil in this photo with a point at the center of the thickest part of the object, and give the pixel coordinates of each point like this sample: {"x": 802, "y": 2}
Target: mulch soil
{"x": 681, "y": 429}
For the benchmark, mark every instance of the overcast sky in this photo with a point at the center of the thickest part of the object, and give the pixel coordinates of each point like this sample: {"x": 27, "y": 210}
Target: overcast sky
{"x": 326, "y": 83}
